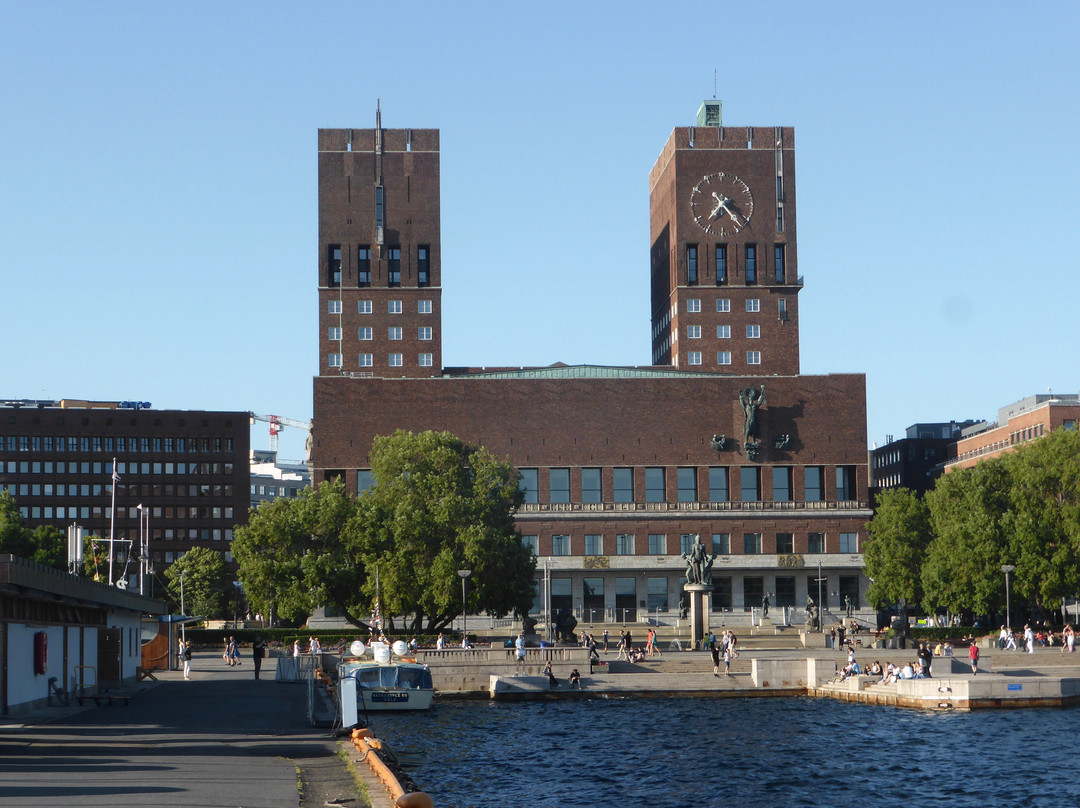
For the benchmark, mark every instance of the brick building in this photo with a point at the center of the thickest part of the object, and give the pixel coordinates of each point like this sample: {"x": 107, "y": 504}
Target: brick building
{"x": 1026, "y": 420}
{"x": 621, "y": 466}
{"x": 188, "y": 469}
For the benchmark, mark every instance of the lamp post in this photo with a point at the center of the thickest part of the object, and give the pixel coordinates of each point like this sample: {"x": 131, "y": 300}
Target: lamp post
{"x": 1007, "y": 568}
{"x": 464, "y": 611}
{"x": 236, "y": 602}
{"x": 183, "y": 621}
{"x": 820, "y": 605}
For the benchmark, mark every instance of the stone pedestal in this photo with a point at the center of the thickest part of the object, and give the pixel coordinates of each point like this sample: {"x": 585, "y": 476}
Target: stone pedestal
{"x": 699, "y": 604}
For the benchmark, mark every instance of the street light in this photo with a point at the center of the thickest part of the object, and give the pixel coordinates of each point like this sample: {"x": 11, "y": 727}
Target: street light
{"x": 464, "y": 612}
{"x": 236, "y": 602}
{"x": 183, "y": 620}
{"x": 1007, "y": 568}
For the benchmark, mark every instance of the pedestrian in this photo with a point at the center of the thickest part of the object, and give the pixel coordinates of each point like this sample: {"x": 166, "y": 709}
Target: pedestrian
{"x": 258, "y": 651}
{"x": 1029, "y": 639}
{"x": 186, "y": 654}
{"x": 973, "y": 654}
{"x": 926, "y": 656}
{"x": 727, "y": 662}
{"x": 440, "y": 642}
{"x": 519, "y": 645}
{"x": 605, "y": 640}
{"x": 715, "y": 660}
{"x": 225, "y": 657}
{"x": 296, "y": 649}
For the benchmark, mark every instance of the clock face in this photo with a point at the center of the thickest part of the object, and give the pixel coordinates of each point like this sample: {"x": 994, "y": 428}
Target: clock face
{"x": 721, "y": 204}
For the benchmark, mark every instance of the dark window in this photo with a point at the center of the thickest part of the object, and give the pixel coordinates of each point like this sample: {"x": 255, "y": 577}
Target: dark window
{"x": 785, "y": 543}
{"x": 393, "y": 266}
{"x": 718, "y": 485}
{"x": 785, "y": 591}
{"x": 849, "y": 586}
{"x": 752, "y": 543}
{"x": 721, "y": 263}
{"x": 654, "y": 485}
{"x": 590, "y": 486}
{"x": 656, "y": 594}
{"x": 423, "y": 265}
{"x": 815, "y": 484}
{"x": 750, "y": 484}
{"x": 691, "y": 264}
{"x": 687, "y": 480}
{"x": 721, "y": 543}
{"x": 781, "y": 484}
{"x": 380, "y": 212}
{"x": 624, "y": 485}
{"x": 818, "y": 589}
{"x": 363, "y": 265}
{"x": 365, "y": 481}
{"x": 593, "y": 601}
{"x": 845, "y": 483}
{"x": 815, "y": 542}
{"x": 778, "y": 262}
{"x": 751, "y": 263}
{"x": 559, "y": 485}
{"x": 753, "y": 590}
{"x": 333, "y": 274}
{"x": 721, "y": 592}
{"x": 561, "y": 592}
{"x": 528, "y": 484}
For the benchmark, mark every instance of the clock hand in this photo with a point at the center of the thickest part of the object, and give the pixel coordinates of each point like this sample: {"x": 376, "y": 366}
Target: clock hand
{"x": 719, "y": 204}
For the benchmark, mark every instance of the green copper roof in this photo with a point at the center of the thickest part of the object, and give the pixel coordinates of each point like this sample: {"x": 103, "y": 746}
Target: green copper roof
{"x": 586, "y": 372}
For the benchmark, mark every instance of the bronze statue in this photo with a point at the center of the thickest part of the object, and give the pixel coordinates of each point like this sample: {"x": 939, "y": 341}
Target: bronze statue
{"x": 765, "y": 605}
{"x": 698, "y": 564}
{"x": 751, "y": 401}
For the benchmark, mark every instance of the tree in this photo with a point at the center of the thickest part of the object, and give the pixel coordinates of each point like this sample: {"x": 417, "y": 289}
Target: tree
{"x": 44, "y": 544}
{"x": 204, "y": 582}
{"x": 296, "y": 554}
{"x": 896, "y": 543}
{"x": 440, "y": 505}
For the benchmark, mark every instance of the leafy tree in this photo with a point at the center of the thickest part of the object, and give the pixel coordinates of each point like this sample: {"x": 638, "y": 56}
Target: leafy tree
{"x": 896, "y": 544}
{"x": 204, "y": 582}
{"x": 296, "y": 554}
{"x": 44, "y": 544}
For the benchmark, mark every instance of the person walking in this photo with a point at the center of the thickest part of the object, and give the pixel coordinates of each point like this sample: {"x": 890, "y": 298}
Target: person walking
{"x": 715, "y": 660}
{"x": 605, "y": 640}
{"x": 185, "y": 653}
{"x": 973, "y": 655}
{"x": 258, "y": 651}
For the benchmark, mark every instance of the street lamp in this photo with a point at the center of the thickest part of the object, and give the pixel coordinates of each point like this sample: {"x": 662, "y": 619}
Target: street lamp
{"x": 183, "y": 620}
{"x": 820, "y": 605}
{"x": 236, "y": 602}
{"x": 1007, "y": 568}
{"x": 464, "y": 612}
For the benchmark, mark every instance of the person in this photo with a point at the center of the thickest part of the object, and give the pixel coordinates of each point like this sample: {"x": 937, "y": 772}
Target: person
{"x": 1068, "y": 640}
{"x": 908, "y": 671}
{"x": 1003, "y": 636}
{"x": 716, "y": 660}
{"x": 414, "y": 645}
{"x": 1010, "y": 641}
{"x": 605, "y": 640}
{"x": 654, "y": 648}
{"x": 593, "y": 655}
{"x": 727, "y": 662}
{"x": 550, "y": 675}
{"x": 973, "y": 655}
{"x": 186, "y": 654}
{"x": 926, "y": 657}
{"x": 939, "y": 649}
{"x": 1029, "y": 639}
{"x": 519, "y": 645}
{"x": 296, "y": 649}
{"x": 575, "y": 679}
{"x": 316, "y": 646}
{"x": 732, "y": 643}
{"x": 258, "y": 651}
{"x": 440, "y": 642}
{"x": 226, "y": 655}
{"x": 649, "y": 642}
{"x": 947, "y": 649}
{"x": 234, "y": 652}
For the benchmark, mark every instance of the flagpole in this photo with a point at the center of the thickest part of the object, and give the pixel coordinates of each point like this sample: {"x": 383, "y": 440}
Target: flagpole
{"x": 112, "y": 519}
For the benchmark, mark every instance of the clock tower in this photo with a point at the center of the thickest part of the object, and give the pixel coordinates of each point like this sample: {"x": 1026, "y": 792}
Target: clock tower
{"x": 724, "y": 264}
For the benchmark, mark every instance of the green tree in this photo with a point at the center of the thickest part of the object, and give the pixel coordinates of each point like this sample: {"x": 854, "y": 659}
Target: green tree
{"x": 297, "y": 554}
{"x": 897, "y": 539}
{"x": 204, "y": 582}
{"x": 44, "y": 544}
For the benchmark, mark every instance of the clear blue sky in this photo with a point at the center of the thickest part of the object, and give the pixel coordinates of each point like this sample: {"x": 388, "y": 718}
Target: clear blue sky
{"x": 158, "y": 186}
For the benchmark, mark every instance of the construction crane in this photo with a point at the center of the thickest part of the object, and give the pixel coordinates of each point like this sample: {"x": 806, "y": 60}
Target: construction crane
{"x": 278, "y": 423}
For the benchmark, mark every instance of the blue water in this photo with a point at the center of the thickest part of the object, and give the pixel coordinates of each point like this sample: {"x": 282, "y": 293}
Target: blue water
{"x": 736, "y": 752}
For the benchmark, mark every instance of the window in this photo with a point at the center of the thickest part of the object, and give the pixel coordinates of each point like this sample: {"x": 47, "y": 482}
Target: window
{"x": 693, "y": 357}
{"x": 781, "y": 310}
{"x": 380, "y": 212}
{"x": 394, "y": 333}
{"x": 364, "y": 306}
{"x": 591, "y": 486}
{"x": 723, "y": 357}
{"x": 334, "y": 360}
{"x": 623, "y": 490}
{"x": 560, "y": 545}
{"x": 593, "y": 598}
{"x": 363, "y": 265}
{"x": 849, "y": 587}
{"x": 423, "y": 265}
{"x": 815, "y": 542}
{"x": 334, "y": 307}
{"x": 657, "y": 544}
{"x": 718, "y": 484}
{"x": 723, "y": 305}
{"x": 624, "y": 544}
{"x": 687, "y": 482}
{"x": 693, "y": 305}
{"x": 785, "y": 590}
{"x": 393, "y": 266}
{"x": 532, "y": 542}
{"x": 366, "y": 360}
{"x": 333, "y": 258}
{"x": 393, "y": 307}
{"x": 364, "y": 333}
{"x": 721, "y": 263}
{"x": 334, "y": 334}
{"x": 721, "y": 543}
{"x": 753, "y": 332}
{"x": 365, "y": 480}
{"x": 594, "y": 544}
{"x": 845, "y": 483}
{"x": 691, "y": 265}
{"x": 559, "y": 485}
{"x": 815, "y": 484}
{"x": 750, "y": 252}
{"x": 686, "y": 543}
{"x": 753, "y": 357}
{"x": 528, "y": 484}
{"x": 693, "y": 332}
{"x": 721, "y": 593}
{"x": 849, "y": 543}
{"x": 654, "y": 485}
{"x": 751, "y": 543}
{"x": 785, "y": 544}
{"x": 656, "y": 594}
{"x": 423, "y": 307}
{"x": 723, "y": 332}
{"x": 750, "y": 483}
{"x": 425, "y": 360}
{"x": 423, "y": 333}
{"x": 753, "y": 304}
{"x": 778, "y": 262}
{"x": 396, "y": 360}
{"x": 781, "y": 485}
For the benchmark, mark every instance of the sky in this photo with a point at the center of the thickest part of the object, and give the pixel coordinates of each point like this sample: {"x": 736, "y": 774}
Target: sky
{"x": 158, "y": 221}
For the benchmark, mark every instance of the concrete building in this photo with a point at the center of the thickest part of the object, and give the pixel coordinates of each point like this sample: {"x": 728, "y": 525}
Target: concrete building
{"x": 917, "y": 459}
{"x": 621, "y": 466}
{"x": 273, "y": 479}
{"x": 1018, "y": 423}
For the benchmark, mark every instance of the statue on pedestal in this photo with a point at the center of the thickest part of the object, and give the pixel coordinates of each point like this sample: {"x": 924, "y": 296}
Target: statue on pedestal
{"x": 698, "y": 564}
{"x": 811, "y": 613}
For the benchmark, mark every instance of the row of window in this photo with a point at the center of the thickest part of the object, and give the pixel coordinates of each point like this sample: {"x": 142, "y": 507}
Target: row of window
{"x": 657, "y": 544}
{"x": 722, "y": 357}
{"x": 86, "y": 467}
{"x": 393, "y": 265}
{"x": 394, "y": 333}
{"x": 721, "y": 265}
{"x": 103, "y": 443}
{"x": 274, "y": 491}
{"x": 87, "y": 512}
{"x": 719, "y": 478}
{"x": 68, "y": 490}
{"x": 392, "y": 306}
{"x": 394, "y": 360}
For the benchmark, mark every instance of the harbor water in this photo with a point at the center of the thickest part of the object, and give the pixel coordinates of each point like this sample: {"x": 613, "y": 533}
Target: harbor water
{"x": 735, "y": 752}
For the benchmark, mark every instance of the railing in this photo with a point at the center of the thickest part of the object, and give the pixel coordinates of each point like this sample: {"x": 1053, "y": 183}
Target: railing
{"x": 683, "y": 507}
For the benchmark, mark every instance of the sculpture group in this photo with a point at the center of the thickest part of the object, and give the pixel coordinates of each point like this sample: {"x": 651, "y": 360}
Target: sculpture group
{"x": 699, "y": 564}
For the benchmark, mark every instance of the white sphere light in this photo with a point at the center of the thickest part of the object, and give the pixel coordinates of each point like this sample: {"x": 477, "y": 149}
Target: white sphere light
{"x": 400, "y": 648}
{"x": 357, "y": 648}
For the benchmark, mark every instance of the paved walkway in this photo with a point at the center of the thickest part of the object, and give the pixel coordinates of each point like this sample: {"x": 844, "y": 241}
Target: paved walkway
{"x": 220, "y": 739}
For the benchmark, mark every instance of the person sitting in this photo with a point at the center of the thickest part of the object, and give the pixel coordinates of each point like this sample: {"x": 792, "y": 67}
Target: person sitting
{"x": 947, "y": 650}
{"x": 939, "y": 649}
{"x": 575, "y": 679}
{"x": 907, "y": 672}
{"x": 550, "y": 675}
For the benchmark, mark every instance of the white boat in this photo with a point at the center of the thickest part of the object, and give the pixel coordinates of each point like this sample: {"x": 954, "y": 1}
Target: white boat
{"x": 381, "y": 684}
